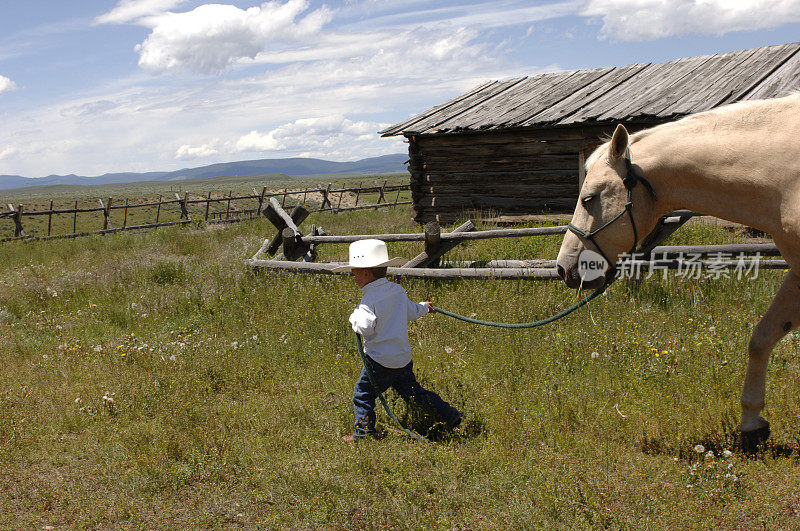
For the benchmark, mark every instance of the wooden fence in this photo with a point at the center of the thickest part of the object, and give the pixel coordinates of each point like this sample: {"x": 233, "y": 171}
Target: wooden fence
{"x": 222, "y": 209}
{"x": 652, "y": 255}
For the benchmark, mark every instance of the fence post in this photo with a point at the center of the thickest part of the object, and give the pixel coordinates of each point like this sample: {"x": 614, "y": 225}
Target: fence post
{"x": 158, "y": 210}
{"x": 208, "y": 204}
{"x": 283, "y": 201}
{"x": 261, "y": 200}
{"x": 182, "y": 204}
{"x": 125, "y": 219}
{"x": 18, "y": 231}
{"x": 106, "y": 213}
{"x": 341, "y": 195}
{"x": 358, "y": 191}
{"x": 397, "y": 197}
{"x": 325, "y": 199}
{"x": 381, "y": 192}
{"x": 75, "y": 219}
{"x": 305, "y": 191}
{"x": 50, "y": 218}
{"x": 228, "y": 207}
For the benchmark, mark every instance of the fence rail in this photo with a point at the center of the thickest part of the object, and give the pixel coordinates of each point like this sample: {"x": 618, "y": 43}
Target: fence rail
{"x": 224, "y": 208}
{"x": 717, "y": 258}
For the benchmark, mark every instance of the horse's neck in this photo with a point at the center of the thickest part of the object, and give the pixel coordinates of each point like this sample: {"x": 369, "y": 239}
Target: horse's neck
{"x": 719, "y": 173}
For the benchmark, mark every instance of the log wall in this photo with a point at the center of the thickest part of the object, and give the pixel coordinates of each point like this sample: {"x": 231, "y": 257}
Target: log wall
{"x": 532, "y": 171}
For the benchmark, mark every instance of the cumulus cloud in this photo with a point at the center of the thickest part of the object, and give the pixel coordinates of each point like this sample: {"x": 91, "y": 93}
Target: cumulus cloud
{"x": 334, "y": 136}
{"x": 7, "y": 152}
{"x": 6, "y": 85}
{"x": 127, "y": 11}
{"x": 187, "y": 152}
{"x": 639, "y": 20}
{"x": 211, "y": 37}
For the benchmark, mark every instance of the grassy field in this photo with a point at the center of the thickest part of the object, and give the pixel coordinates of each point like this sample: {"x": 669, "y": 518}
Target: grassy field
{"x": 151, "y": 381}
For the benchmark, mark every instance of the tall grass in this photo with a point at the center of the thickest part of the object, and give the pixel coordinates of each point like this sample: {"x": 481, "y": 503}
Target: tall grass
{"x": 226, "y": 394}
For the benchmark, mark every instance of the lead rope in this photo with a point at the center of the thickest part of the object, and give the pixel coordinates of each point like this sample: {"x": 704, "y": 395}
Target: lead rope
{"x": 533, "y": 324}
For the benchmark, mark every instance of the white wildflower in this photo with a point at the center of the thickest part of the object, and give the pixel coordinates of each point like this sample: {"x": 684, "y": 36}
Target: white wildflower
{"x": 727, "y": 453}
{"x": 172, "y": 358}
{"x": 448, "y": 349}
{"x": 59, "y": 327}
{"x": 98, "y": 348}
{"x": 108, "y": 402}
{"x": 699, "y": 448}
{"x": 255, "y": 338}
{"x": 235, "y": 345}
{"x": 595, "y": 355}
{"x": 709, "y": 455}
{"x": 45, "y": 356}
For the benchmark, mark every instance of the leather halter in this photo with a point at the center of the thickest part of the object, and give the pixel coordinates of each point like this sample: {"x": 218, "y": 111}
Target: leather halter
{"x": 630, "y": 180}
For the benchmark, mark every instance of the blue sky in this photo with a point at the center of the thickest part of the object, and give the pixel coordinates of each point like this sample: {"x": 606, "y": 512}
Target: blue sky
{"x": 92, "y": 87}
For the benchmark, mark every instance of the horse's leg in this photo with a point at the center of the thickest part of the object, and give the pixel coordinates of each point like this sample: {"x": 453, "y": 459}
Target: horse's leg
{"x": 782, "y": 316}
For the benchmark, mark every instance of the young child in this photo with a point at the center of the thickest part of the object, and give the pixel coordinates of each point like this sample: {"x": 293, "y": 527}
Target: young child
{"x": 381, "y": 318}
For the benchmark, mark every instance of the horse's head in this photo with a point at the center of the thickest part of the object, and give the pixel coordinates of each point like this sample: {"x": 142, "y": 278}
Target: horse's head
{"x": 612, "y": 214}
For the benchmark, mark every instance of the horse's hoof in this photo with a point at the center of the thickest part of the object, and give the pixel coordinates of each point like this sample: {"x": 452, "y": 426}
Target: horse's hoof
{"x": 752, "y": 441}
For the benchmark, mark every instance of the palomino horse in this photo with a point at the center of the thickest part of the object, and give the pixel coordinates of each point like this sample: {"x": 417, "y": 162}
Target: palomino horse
{"x": 741, "y": 163}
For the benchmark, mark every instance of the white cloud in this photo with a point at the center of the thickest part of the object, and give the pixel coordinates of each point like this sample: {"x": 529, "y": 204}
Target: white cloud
{"x": 6, "y": 85}
{"x": 328, "y": 136}
{"x": 127, "y": 11}
{"x": 639, "y": 20}
{"x": 7, "y": 152}
{"x": 213, "y": 36}
{"x": 187, "y": 152}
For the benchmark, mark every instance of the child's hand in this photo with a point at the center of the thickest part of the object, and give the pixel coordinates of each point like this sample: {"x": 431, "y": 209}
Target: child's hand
{"x": 430, "y": 306}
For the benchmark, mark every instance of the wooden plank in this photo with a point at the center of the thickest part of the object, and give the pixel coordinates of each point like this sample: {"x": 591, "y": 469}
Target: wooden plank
{"x": 504, "y": 191}
{"x": 299, "y": 214}
{"x": 509, "y": 149}
{"x": 523, "y": 93}
{"x": 519, "y": 165}
{"x": 510, "y": 177}
{"x": 713, "y": 79}
{"x": 288, "y": 222}
{"x": 432, "y": 123}
{"x": 779, "y": 83}
{"x": 763, "y": 64}
{"x": 442, "y": 274}
{"x": 729, "y": 80}
{"x": 664, "y": 78}
{"x": 436, "y": 248}
{"x": 563, "y": 111}
{"x": 396, "y": 129}
{"x": 548, "y": 97}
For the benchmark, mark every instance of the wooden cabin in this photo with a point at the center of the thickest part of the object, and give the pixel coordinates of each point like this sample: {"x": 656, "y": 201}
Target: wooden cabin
{"x": 517, "y": 146}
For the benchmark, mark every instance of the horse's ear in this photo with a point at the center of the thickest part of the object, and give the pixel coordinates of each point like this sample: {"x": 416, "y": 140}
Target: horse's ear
{"x": 619, "y": 143}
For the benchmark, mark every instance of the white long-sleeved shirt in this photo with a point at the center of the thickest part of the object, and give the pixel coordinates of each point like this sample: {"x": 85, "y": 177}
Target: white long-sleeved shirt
{"x": 382, "y": 319}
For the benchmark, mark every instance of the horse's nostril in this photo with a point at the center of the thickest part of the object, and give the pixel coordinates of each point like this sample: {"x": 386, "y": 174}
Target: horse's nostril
{"x": 561, "y": 272}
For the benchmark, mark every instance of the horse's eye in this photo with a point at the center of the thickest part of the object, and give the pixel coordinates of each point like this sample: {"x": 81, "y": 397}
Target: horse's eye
{"x": 586, "y": 200}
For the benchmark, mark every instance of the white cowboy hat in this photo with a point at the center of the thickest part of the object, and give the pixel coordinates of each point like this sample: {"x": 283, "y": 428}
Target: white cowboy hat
{"x": 369, "y": 253}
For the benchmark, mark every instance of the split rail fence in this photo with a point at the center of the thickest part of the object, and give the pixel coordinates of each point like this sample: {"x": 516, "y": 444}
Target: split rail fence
{"x": 652, "y": 254}
{"x": 222, "y": 209}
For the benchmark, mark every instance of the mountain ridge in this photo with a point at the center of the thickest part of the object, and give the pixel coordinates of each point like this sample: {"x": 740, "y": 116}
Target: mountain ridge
{"x": 293, "y": 167}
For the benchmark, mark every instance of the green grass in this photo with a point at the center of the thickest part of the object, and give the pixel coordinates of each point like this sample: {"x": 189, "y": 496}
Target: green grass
{"x": 231, "y": 392}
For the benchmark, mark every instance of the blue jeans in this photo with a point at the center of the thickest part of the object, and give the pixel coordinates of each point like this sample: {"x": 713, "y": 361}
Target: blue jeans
{"x": 405, "y": 383}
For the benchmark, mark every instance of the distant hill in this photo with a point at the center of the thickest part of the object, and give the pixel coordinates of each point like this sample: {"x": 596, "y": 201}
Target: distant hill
{"x": 292, "y": 167}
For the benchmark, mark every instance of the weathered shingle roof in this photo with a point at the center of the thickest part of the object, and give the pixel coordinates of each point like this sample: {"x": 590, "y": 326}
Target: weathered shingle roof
{"x": 646, "y": 91}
